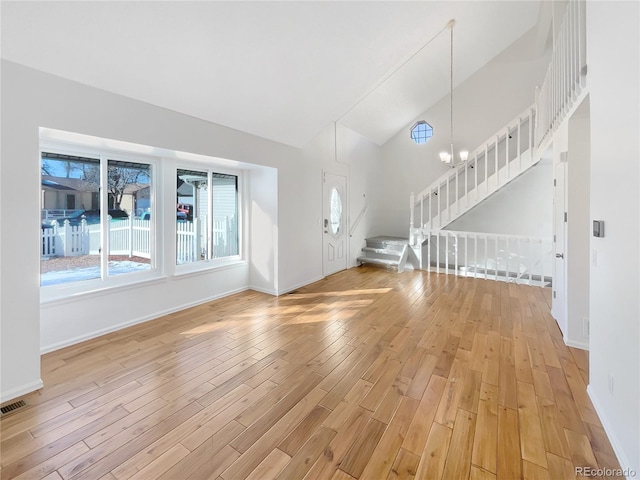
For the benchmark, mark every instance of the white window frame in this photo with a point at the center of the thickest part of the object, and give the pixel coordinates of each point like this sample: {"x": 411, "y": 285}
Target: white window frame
{"x": 64, "y": 290}
{"x": 213, "y": 263}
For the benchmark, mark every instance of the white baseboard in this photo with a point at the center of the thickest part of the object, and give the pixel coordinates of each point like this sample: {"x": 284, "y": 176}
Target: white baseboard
{"x": 580, "y": 345}
{"x": 21, "y": 390}
{"x": 268, "y": 291}
{"x": 300, "y": 285}
{"x": 625, "y": 464}
{"x": 135, "y": 321}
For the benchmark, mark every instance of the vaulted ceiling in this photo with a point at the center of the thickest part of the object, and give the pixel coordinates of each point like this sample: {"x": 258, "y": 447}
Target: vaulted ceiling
{"x": 279, "y": 70}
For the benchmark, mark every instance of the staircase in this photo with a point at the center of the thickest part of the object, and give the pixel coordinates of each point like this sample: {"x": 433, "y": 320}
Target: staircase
{"x": 503, "y": 157}
{"x": 390, "y": 252}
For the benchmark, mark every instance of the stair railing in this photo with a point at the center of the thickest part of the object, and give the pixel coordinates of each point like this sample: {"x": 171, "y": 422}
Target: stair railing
{"x": 358, "y": 219}
{"x": 507, "y": 258}
{"x": 566, "y": 76}
{"x": 498, "y": 160}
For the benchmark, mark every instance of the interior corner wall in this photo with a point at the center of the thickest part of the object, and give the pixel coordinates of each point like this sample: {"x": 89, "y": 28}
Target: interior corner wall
{"x": 33, "y": 99}
{"x": 613, "y": 55}
{"x": 578, "y": 227}
{"x": 263, "y": 229}
{"x": 484, "y": 103}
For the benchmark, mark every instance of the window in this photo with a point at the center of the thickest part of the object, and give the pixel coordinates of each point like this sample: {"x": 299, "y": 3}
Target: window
{"x": 206, "y": 216}
{"x": 81, "y": 240}
{"x": 421, "y": 132}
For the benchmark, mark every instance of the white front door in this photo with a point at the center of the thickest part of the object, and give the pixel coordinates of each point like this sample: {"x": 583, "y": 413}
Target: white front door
{"x": 334, "y": 218}
{"x": 559, "y": 296}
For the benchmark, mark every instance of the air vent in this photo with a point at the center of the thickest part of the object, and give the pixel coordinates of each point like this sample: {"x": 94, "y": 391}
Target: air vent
{"x": 12, "y": 407}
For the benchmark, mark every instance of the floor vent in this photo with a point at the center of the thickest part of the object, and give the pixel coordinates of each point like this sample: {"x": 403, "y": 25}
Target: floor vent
{"x": 12, "y": 407}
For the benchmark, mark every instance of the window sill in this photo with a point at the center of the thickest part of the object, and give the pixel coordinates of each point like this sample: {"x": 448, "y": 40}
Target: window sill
{"x": 201, "y": 268}
{"x": 72, "y": 293}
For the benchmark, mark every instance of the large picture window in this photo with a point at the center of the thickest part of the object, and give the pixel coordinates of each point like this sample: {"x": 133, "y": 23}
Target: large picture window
{"x": 206, "y": 216}
{"x": 95, "y": 218}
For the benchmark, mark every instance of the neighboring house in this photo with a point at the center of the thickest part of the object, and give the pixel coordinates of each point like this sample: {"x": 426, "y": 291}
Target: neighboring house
{"x": 283, "y": 133}
{"x": 61, "y": 193}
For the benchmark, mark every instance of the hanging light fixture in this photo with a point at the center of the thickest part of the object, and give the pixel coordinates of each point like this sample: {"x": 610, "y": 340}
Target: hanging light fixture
{"x": 449, "y": 157}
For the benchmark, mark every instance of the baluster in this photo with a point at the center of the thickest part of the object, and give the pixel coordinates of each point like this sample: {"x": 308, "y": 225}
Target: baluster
{"x": 446, "y": 253}
{"x": 475, "y": 255}
{"x": 457, "y": 204}
{"x": 497, "y": 254}
{"x": 506, "y": 152}
{"x": 466, "y": 184}
{"x": 496, "y": 161}
{"x": 438, "y": 234}
{"x": 455, "y": 259}
{"x": 486, "y": 169}
{"x": 429, "y": 245}
{"x": 439, "y": 209}
{"x": 475, "y": 176}
{"x": 486, "y": 257}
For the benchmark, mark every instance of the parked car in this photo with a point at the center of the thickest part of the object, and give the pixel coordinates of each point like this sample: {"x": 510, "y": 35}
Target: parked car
{"x": 179, "y": 216}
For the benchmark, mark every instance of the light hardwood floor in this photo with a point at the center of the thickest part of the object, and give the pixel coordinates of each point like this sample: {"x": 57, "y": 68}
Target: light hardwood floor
{"x": 367, "y": 374}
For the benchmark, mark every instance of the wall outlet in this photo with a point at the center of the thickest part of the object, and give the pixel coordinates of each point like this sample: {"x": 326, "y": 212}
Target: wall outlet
{"x": 585, "y": 327}
{"x": 610, "y": 382}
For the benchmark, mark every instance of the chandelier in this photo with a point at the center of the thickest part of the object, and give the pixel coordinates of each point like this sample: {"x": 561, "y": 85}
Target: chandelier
{"x": 449, "y": 157}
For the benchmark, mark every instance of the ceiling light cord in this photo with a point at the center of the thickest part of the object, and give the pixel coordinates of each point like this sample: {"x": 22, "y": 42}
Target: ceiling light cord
{"x": 386, "y": 77}
{"x": 450, "y": 25}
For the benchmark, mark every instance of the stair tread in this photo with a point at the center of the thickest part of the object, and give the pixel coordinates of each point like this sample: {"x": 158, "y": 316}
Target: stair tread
{"x": 380, "y": 261}
{"x": 382, "y": 251}
{"x": 388, "y": 240}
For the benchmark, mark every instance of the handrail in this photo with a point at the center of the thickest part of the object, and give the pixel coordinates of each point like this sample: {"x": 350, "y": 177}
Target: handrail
{"x": 501, "y": 158}
{"x": 358, "y": 219}
{"x": 492, "y": 140}
{"x": 509, "y": 258}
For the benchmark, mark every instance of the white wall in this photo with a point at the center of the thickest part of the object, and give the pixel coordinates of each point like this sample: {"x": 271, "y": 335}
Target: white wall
{"x": 284, "y": 198}
{"x": 612, "y": 57}
{"x": 342, "y": 151}
{"x": 263, "y": 229}
{"x": 578, "y": 227}
{"x": 484, "y": 103}
{"x": 522, "y": 207}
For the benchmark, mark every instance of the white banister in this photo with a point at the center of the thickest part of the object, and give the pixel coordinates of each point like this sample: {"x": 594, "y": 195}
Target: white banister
{"x": 566, "y": 75}
{"x": 508, "y": 258}
{"x": 455, "y": 195}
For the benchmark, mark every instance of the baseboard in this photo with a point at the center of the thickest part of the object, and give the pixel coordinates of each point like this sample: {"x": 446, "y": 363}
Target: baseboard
{"x": 615, "y": 443}
{"x": 580, "y": 345}
{"x": 268, "y": 291}
{"x": 21, "y": 390}
{"x": 303, "y": 284}
{"x": 136, "y": 321}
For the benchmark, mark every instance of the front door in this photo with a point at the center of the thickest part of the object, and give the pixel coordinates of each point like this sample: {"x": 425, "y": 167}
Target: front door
{"x": 334, "y": 214}
{"x": 559, "y": 300}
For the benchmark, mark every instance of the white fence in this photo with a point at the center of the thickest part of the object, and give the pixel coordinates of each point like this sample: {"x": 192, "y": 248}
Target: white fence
{"x": 509, "y": 258}
{"x": 132, "y": 237}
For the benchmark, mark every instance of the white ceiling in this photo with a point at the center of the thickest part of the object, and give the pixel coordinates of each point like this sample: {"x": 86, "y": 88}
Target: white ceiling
{"x": 279, "y": 70}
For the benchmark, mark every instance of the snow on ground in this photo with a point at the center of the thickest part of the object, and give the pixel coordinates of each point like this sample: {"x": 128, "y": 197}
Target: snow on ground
{"x": 90, "y": 273}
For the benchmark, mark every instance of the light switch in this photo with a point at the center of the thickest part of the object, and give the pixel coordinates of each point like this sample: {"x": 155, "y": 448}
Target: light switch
{"x": 598, "y": 228}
